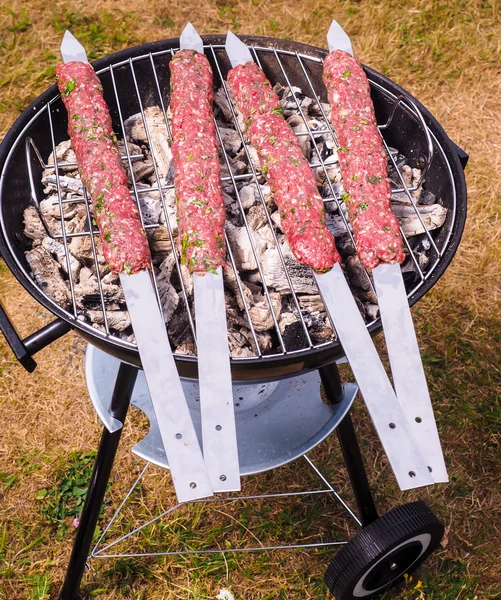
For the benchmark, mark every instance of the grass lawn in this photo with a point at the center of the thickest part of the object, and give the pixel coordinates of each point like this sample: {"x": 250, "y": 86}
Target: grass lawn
{"x": 448, "y": 55}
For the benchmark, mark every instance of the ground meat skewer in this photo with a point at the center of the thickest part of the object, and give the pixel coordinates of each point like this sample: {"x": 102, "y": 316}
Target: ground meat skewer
{"x": 302, "y": 212}
{"x": 363, "y": 161}
{"x": 125, "y": 246}
{"x": 197, "y": 179}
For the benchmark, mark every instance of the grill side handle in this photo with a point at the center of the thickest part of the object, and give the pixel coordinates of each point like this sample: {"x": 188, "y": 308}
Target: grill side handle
{"x": 463, "y": 156}
{"x": 24, "y": 349}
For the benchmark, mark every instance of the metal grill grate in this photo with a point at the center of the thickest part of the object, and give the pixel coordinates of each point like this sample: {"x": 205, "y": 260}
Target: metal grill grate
{"x": 218, "y": 56}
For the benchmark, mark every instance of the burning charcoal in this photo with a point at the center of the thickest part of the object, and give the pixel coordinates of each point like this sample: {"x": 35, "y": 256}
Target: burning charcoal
{"x": 46, "y": 273}
{"x": 33, "y": 226}
{"x": 134, "y": 150}
{"x": 67, "y": 184}
{"x": 335, "y": 224}
{"x": 117, "y": 319}
{"x": 57, "y": 250}
{"x": 158, "y": 134}
{"x": 81, "y": 247}
{"x": 242, "y": 249}
{"x": 169, "y": 200}
{"x": 312, "y": 303}
{"x": 142, "y": 169}
{"x": 237, "y": 166}
{"x": 433, "y": 217}
{"x": 256, "y": 218}
{"x": 250, "y": 194}
{"x": 411, "y": 178}
{"x": 239, "y": 344}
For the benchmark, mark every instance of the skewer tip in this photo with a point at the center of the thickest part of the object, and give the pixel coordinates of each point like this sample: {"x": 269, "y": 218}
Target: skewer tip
{"x": 71, "y": 49}
{"x": 190, "y": 39}
{"x": 338, "y": 39}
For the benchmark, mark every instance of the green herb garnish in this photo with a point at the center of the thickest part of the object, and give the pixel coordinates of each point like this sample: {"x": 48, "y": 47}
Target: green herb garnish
{"x": 197, "y": 203}
{"x": 294, "y": 161}
{"x": 273, "y": 139}
{"x": 70, "y": 86}
{"x": 127, "y": 269}
{"x": 347, "y": 73}
{"x": 374, "y": 179}
{"x": 278, "y": 111}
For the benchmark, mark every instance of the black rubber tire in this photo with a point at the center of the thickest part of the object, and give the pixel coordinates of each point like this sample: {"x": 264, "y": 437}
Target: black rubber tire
{"x": 378, "y": 556}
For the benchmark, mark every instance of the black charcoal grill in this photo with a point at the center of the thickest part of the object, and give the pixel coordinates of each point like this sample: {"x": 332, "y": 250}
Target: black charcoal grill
{"x": 136, "y": 79}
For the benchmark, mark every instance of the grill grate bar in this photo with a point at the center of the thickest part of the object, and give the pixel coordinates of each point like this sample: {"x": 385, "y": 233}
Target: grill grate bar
{"x": 63, "y": 225}
{"x": 268, "y": 218}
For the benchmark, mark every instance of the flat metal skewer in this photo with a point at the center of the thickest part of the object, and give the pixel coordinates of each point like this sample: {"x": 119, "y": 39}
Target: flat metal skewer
{"x": 402, "y": 450}
{"x": 401, "y": 342}
{"x": 189, "y": 474}
{"x": 219, "y": 436}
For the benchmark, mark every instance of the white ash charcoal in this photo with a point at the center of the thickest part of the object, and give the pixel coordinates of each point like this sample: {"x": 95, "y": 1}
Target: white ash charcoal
{"x": 230, "y": 139}
{"x": 133, "y": 149}
{"x": 186, "y": 349}
{"x": 238, "y": 344}
{"x": 231, "y": 280}
{"x": 117, "y": 319}
{"x": 237, "y": 166}
{"x": 142, "y": 169}
{"x": 64, "y": 153}
{"x": 150, "y": 209}
{"x": 187, "y": 279}
{"x": 312, "y": 303}
{"x": 266, "y": 233}
{"x": 160, "y": 244}
{"x": 168, "y": 295}
{"x": 167, "y": 267}
{"x": 87, "y": 292}
{"x": 221, "y": 101}
{"x": 234, "y": 316}
{"x": 46, "y": 273}
{"x": 292, "y": 331}
{"x": 241, "y": 247}
{"x": 318, "y": 327}
{"x": 250, "y": 194}
{"x": 260, "y": 313}
{"x": 250, "y": 157}
{"x": 290, "y": 103}
{"x": 81, "y": 247}
{"x": 433, "y": 217}
{"x": 58, "y": 251}
{"x": 33, "y": 226}
{"x": 178, "y": 327}
{"x": 49, "y": 207}
{"x": 110, "y": 278}
{"x": 169, "y": 200}
{"x": 158, "y": 133}
{"x": 67, "y": 184}
{"x": 335, "y": 224}
{"x": 301, "y": 276}
{"x": 233, "y": 212}
{"x": 411, "y": 178}
{"x": 371, "y": 311}
{"x": 299, "y": 126}
{"x": 256, "y": 217}
{"x": 357, "y": 273}
{"x": 365, "y": 296}
{"x": 264, "y": 340}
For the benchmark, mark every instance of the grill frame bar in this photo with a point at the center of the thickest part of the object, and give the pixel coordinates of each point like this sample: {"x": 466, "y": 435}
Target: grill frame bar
{"x": 216, "y": 43}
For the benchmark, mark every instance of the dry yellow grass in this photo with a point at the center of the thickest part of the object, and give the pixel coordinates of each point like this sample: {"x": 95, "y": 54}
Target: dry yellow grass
{"x": 445, "y": 53}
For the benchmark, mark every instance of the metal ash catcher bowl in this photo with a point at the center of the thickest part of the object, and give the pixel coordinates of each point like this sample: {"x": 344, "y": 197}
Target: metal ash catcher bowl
{"x": 279, "y": 412}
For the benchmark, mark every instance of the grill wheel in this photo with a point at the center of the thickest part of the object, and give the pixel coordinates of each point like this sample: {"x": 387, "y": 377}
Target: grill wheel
{"x": 378, "y": 557}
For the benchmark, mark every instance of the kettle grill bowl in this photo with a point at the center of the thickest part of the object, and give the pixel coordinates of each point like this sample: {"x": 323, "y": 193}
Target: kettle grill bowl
{"x": 444, "y": 178}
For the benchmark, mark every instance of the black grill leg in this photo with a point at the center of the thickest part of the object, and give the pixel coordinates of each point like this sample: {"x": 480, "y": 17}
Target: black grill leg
{"x": 349, "y": 446}
{"x": 120, "y": 401}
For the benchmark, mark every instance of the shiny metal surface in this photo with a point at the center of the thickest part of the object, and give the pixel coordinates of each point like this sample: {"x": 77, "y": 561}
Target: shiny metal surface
{"x": 275, "y": 422}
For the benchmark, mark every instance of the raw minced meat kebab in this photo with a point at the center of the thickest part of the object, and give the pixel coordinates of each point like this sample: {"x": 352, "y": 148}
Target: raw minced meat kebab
{"x": 302, "y": 212}
{"x": 200, "y": 205}
{"x": 363, "y": 162}
{"x": 125, "y": 246}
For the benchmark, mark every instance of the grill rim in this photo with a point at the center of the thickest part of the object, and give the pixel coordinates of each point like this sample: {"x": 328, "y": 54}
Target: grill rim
{"x": 272, "y": 367}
